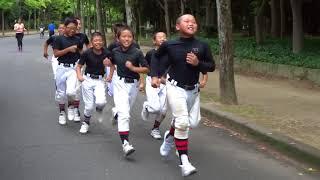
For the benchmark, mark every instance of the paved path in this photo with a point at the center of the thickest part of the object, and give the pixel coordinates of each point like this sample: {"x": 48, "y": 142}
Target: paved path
{"x": 33, "y": 146}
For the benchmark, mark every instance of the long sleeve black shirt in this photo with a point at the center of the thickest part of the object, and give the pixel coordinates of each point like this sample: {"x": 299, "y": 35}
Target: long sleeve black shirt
{"x": 178, "y": 68}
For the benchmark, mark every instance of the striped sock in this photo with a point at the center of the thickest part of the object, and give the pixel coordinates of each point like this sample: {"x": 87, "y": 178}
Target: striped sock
{"x": 156, "y": 124}
{"x": 182, "y": 146}
{"x": 61, "y": 107}
{"x": 124, "y": 135}
{"x": 76, "y": 103}
{"x": 87, "y": 119}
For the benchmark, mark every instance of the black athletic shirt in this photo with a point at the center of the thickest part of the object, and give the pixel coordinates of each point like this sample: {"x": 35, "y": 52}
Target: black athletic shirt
{"x": 180, "y": 70}
{"x": 162, "y": 66}
{"x": 115, "y": 44}
{"x": 119, "y": 58}
{"x": 51, "y": 40}
{"x": 83, "y": 38}
{"x": 94, "y": 62}
{"x": 63, "y": 42}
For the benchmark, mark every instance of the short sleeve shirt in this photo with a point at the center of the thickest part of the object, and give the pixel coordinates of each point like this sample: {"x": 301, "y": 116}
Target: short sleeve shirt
{"x": 63, "y": 42}
{"x": 94, "y": 62}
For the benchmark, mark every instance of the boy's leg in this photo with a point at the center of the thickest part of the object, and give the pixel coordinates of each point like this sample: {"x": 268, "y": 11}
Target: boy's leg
{"x": 100, "y": 97}
{"x": 61, "y": 94}
{"x": 71, "y": 92}
{"x": 88, "y": 98}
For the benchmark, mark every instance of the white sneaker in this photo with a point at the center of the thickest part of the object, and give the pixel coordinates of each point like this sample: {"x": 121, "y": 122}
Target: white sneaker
{"x": 62, "y": 118}
{"x": 84, "y": 128}
{"x": 167, "y": 144}
{"x": 127, "y": 148}
{"x": 70, "y": 113}
{"x": 155, "y": 133}
{"x": 187, "y": 169}
{"x": 144, "y": 113}
{"x": 77, "y": 117}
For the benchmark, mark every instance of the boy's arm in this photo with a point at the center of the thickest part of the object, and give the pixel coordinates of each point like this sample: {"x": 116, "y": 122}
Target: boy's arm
{"x": 79, "y": 74}
{"x": 110, "y": 75}
{"x": 204, "y": 80}
{"x": 45, "y": 50}
{"x": 141, "y": 82}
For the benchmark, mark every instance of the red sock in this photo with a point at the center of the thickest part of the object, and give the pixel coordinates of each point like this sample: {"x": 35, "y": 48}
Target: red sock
{"x": 61, "y": 107}
{"x": 156, "y": 124}
{"x": 124, "y": 135}
{"x": 182, "y": 146}
{"x": 76, "y": 103}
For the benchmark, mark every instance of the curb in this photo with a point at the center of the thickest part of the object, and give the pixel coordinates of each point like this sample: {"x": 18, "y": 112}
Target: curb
{"x": 295, "y": 149}
{"x": 13, "y": 35}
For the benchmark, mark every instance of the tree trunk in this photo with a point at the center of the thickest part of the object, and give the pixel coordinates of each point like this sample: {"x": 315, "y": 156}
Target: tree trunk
{"x": 297, "y": 26}
{"x": 282, "y": 18}
{"x": 258, "y": 21}
{"x": 166, "y": 17}
{"x": 99, "y": 18}
{"x": 275, "y": 23}
{"x": 2, "y": 22}
{"x": 129, "y": 15}
{"x": 227, "y": 83}
{"x": 78, "y": 8}
{"x": 83, "y": 24}
{"x": 29, "y": 19}
{"x": 182, "y": 6}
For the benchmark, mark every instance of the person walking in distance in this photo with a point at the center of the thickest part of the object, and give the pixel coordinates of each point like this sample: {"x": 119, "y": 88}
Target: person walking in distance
{"x": 93, "y": 82}
{"x": 51, "y": 28}
{"x": 19, "y": 28}
{"x": 67, "y": 49}
{"x": 187, "y": 57}
{"x": 156, "y": 104}
{"x": 50, "y": 41}
{"x": 130, "y": 62}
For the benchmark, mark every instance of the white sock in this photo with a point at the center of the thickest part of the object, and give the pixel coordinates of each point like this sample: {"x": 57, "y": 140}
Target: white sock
{"x": 184, "y": 159}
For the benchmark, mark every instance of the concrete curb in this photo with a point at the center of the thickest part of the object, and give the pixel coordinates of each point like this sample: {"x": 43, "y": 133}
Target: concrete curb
{"x": 291, "y": 147}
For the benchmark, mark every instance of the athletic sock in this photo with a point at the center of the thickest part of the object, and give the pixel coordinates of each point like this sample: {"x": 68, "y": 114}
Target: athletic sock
{"x": 171, "y": 132}
{"x": 182, "y": 147}
{"x": 61, "y": 107}
{"x": 124, "y": 135}
{"x": 156, "y": 124}
{"x": 76, "y": 103}
{"x": 87, "y": 119}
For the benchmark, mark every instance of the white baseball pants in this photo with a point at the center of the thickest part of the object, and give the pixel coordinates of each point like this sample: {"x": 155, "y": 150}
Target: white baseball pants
{"x": 124, "y": 96}
{"x": 93, "y": 94}
{"x": 66, "y": 81}
{"x": 54, "y": 64}
{"x": 185, "y": 106}
{"x": 156, "y": 99}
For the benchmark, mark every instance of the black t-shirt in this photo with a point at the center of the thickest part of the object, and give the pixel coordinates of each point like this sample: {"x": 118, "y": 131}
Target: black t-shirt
{"x": 83, "y": 38}
{"x": 63, "y": 42}
{"x": 94, "y": 62}
{"x": 115, "y": 44}
{"x": 120, "y": 57}
{"x": 180, "y": 70}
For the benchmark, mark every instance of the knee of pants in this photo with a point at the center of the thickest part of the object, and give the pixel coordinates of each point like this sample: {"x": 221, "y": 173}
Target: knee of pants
{"x": 60, "y": 97}
{"x": 181, "y": 134}
{"x": 71, "y": 95}
{"x": 88, "y": 112}
{"x": 123, "y": 122}
{"x": 182, "y": 123}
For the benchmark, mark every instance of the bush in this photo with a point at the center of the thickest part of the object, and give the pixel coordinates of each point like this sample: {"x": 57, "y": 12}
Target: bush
{"x": 274, "y": 51}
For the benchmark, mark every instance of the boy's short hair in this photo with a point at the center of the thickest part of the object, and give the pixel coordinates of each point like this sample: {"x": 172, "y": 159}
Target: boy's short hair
{"x": 94, "y": 34}
{"x": 155, "y": 34}
{"x": 69, "y": 20}
{"x": 123, "y": 28}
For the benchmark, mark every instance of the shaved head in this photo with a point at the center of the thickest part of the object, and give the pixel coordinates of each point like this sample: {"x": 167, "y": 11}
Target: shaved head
{"x": 179, "y": 19}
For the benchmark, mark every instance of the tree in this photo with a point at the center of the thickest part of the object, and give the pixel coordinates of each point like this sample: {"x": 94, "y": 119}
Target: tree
{"x": 275, "y": 20}
{"x": 227, "y": 83}
{"x": 259, "y": 7}
{"x": 164, "y": 6}
{"x": 297, "y": 26}
{"x": 99, "y": 19}
{"x": 4, "y": 5}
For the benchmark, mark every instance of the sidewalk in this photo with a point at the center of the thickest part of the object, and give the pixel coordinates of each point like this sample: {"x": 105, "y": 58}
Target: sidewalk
{"x": 284, "y": 110}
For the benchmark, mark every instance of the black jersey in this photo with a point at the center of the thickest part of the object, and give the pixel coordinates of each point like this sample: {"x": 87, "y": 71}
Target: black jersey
{"x": 62, "y": 42}
{"x": 83, "y": 38}
{"x": 134, "y": 55}
{"x": 94, "y": 62}
{"x": 179, "y": 69}
{"x": 51, "y": 40}
{"x": 162, "y": 65}
{"x": 115, "y": 44}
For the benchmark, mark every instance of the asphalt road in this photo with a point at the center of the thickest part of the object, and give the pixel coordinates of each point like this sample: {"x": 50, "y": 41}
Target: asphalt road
{"x": 34, "y": 147}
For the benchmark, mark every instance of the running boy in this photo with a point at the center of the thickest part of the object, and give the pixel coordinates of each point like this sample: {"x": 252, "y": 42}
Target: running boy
{"x": 67, "y": 48}
{"x": 130, "y": 62}
{"x": 93, "y": 85}
{"x": 156, "y": 97}
{"x": 50, "y": 41}
{"x": 187, "y": 57}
